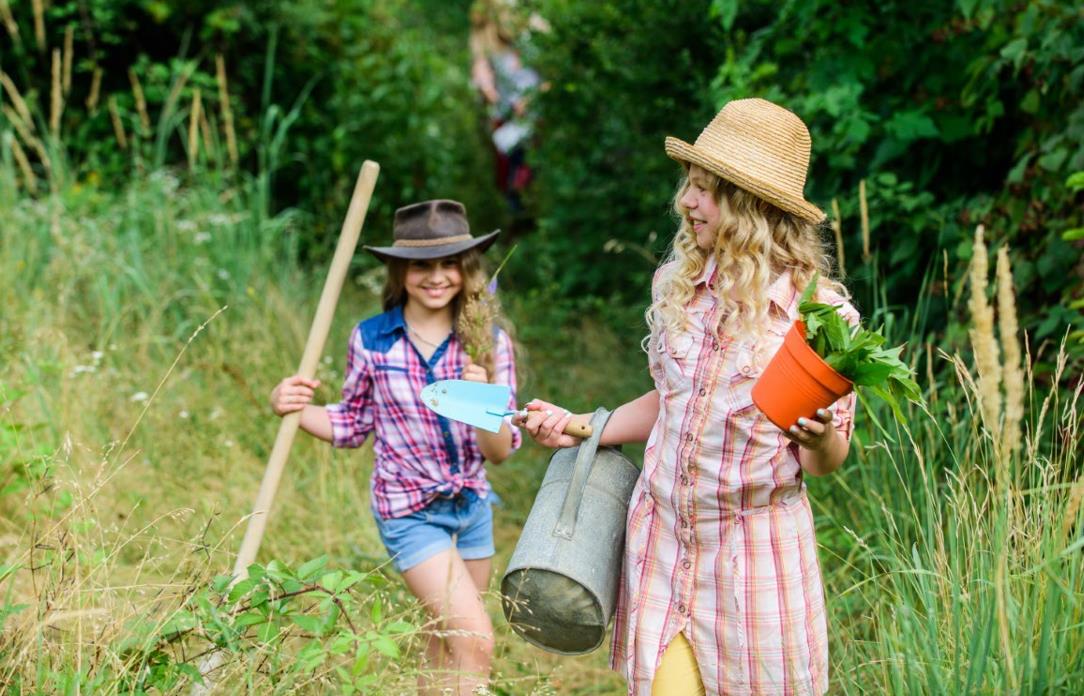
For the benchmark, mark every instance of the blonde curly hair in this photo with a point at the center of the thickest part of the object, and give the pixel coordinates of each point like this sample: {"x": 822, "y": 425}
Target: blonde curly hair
{"x": 756, "y": 242}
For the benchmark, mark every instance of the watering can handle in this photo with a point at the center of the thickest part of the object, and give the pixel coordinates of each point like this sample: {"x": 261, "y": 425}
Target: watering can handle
{"x": 585, "y": 458}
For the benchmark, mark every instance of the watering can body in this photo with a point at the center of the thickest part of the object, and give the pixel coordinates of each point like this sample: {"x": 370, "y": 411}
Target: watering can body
{"x": 560, "y": 588}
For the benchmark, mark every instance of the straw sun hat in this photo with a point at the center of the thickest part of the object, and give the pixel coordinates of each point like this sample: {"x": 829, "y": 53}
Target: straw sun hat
{"x": 758, "y": 146}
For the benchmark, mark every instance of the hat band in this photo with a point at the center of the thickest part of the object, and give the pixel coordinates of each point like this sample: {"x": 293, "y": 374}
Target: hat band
{"x": 431, "y": 242}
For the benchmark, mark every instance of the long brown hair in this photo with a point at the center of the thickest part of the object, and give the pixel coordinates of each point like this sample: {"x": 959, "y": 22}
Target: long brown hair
{"x": 475, "y": 310}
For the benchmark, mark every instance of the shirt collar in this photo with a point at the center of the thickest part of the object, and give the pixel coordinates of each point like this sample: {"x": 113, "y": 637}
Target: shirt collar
{"x": 781, "y": 291}
{"x": 393, "y": 321}
{"x": 708, "y": 274}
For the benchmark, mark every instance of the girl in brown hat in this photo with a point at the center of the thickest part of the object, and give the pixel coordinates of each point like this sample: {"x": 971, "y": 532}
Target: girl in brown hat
{"x": 721, "y": 589}
{"x": 430, "y": 496}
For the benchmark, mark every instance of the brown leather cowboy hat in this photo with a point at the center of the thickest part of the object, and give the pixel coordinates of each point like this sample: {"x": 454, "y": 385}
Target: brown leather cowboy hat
{"x": 431, "y": 230}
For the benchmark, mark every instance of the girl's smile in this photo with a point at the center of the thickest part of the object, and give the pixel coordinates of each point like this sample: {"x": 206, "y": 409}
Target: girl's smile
{"x": 701, "y": 209}
{"x": 433, "y": 284}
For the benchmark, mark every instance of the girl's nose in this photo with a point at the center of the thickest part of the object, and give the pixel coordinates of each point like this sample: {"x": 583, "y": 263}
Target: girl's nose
{"x": 688, "y": 200}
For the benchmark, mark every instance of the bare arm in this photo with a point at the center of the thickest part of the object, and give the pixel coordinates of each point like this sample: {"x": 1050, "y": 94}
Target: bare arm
{"x": 630, "y": 422}
{"x": 495, "y": 446}
{"x": 823, "y": 449}
{"x": 294, "y": 394}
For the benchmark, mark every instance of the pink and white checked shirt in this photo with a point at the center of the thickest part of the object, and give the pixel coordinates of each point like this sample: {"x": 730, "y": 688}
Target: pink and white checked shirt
{"x": 720, "y": 542}
{"x": 418, "y": 454}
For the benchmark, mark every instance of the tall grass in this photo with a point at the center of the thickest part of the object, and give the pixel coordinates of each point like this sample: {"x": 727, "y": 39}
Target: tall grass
{"x": 952, "y": 563}
{"x": 142, "y": 329}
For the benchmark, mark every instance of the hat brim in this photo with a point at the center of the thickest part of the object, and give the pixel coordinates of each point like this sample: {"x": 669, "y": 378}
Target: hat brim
{"x": 433, "y": 252}
{"x": 682, "y": 151}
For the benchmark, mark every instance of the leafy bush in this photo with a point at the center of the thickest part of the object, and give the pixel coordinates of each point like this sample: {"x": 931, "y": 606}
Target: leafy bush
{"x": 623, "y": 77}
{"x": 314, "y": 88}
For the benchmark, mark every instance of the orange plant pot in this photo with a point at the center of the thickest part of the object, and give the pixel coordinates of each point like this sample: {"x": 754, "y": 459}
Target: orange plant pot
{"x": 797, "y": 382}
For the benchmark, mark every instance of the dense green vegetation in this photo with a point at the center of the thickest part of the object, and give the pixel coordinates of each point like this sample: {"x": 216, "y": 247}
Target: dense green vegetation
{"x": 154, "y": 293}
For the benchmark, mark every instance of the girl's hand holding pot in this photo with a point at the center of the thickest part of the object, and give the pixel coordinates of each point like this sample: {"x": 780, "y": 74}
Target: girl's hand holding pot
{"x": 545, "y": 423}
{"x": 814, "y": 433}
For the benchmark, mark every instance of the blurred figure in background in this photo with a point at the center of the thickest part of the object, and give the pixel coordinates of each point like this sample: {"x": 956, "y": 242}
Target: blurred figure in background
{"x": 506, "y": 84}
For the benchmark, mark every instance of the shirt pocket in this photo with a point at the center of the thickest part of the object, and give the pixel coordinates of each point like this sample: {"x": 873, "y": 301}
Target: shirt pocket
{"x": 677, "y": 359}
{"x": 394, "y": 385}
{"x": 750, "y": 359}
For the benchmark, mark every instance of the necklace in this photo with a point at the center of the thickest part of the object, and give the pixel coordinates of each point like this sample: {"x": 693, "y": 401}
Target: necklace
{"x": 421, "y": 338}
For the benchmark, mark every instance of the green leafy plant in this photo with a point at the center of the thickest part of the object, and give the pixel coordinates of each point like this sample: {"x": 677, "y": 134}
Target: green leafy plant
{"x": 857, "y": 353}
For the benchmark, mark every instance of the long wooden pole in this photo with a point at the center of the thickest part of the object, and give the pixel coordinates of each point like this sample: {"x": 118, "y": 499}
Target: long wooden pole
{"x": 314, "y": 347}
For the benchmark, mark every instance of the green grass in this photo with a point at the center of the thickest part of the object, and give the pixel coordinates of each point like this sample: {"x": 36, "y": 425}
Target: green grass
{"x": 140, "y": 334}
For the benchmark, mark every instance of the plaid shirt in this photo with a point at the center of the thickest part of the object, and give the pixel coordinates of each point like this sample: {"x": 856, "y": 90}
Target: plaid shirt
{"x": 720, "y": 542}
{"x": 419, "y": 455}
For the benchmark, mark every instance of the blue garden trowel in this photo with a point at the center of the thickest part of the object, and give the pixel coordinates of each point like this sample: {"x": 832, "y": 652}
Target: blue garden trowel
{"x": 481, "y": 405}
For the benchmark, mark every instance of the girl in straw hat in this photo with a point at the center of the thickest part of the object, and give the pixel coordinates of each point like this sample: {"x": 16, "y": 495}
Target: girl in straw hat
{"x": 721, "y": 590}
{"x": 430, "y": 496}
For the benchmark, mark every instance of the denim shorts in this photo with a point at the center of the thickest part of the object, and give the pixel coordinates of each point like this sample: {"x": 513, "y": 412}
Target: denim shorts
{"x": 465, "y": 522}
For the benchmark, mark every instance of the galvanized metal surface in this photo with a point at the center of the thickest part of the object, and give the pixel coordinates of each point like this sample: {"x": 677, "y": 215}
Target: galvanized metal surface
{"x": 560, "y": 588}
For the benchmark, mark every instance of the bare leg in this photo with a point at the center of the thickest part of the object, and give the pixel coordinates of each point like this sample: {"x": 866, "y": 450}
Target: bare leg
{"x": 479, "y": 572}
{"x": 461, "y": 656}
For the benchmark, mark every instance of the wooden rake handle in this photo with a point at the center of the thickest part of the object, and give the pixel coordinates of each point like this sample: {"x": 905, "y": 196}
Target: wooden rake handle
{"x": 314, "y": 347}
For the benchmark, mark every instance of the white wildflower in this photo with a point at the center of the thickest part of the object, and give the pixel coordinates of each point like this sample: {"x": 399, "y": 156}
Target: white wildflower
{"x": 140, "y": 397}
{"x": 202, "y": 237}
{"x": 223, "y": 274}
{"x": 186, "y": 225}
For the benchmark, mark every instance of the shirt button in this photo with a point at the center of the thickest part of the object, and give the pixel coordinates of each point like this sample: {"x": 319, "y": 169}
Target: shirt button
{"x": 447, "y": 434}
{"x": 684, "y": 523}
{"x": 703, "y": 391}
{"x": 747, "y": 371}
{"x": 684, "y": 480}
{"x": 682, "y": 608}
{"x": 688, "y": 437}
{"x": 686, "y": 564}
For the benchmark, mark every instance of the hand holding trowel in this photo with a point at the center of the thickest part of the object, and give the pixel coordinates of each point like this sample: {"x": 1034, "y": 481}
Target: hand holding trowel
{"x": 481, "y": 405}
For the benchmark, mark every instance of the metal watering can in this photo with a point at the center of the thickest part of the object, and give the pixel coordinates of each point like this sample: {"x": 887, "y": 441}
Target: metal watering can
{"x": 560, "y": 588}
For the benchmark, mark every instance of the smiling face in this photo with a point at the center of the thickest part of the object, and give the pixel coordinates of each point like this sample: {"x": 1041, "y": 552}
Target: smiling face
{"x": 432, "y": 284}
{"x": 702, "y": 210}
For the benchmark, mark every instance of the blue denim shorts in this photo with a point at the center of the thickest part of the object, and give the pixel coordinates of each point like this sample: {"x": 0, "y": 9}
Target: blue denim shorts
{"x": 465, "y": 522}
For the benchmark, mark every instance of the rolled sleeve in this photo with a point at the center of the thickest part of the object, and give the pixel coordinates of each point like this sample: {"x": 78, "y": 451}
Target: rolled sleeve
{"x": 505, "y": 373}
{"x": 843, "y": 416}
{"x": 352, "y": 418}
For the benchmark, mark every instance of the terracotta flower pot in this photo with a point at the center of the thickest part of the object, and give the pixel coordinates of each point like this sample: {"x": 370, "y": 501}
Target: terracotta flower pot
{"x": 797, "y": 382}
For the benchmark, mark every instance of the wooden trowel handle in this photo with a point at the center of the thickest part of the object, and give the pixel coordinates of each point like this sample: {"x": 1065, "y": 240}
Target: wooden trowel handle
{"x": 577, "y": 429}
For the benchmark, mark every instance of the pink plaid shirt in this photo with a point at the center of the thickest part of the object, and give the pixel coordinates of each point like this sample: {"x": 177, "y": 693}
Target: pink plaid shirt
{"x": 720, "y": 542}
{"x": 418, "y": 454}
